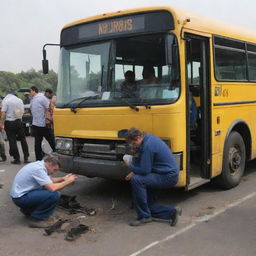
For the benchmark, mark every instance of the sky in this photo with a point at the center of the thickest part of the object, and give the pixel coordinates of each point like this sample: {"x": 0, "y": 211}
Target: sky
{"x": 26, "y": 25}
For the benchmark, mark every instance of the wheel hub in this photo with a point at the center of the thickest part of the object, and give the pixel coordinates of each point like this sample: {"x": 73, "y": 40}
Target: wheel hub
{"x": 234, "y": 159}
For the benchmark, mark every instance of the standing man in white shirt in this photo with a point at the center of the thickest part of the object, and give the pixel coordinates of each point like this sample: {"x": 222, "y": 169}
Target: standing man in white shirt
{"x": 38, "y": 107}
{"x": 11, "y": 115}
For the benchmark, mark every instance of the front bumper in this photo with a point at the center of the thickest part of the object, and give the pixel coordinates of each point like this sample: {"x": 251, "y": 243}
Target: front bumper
{"x": 108, "y": 169}
{"x": 90, "y": 167}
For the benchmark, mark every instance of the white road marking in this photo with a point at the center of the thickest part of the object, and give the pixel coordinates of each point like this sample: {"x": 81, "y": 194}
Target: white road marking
{"x": 194, "y": 223}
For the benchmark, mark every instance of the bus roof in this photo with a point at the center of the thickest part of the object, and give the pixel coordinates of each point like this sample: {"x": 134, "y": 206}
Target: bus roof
{"x": 186, "y": 19}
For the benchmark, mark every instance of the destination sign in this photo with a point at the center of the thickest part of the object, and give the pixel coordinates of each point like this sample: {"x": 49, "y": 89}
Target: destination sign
{"x": 116, "y": 26}
{"x": 151, "y": 22}
{"x": 112, "y": 27}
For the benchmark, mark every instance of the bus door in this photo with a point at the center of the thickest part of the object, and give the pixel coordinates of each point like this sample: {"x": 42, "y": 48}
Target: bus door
{"x": 198, "y": 110}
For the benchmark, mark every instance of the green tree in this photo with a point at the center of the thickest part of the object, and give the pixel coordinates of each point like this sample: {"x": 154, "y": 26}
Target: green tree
{"x": 9, "y": 80}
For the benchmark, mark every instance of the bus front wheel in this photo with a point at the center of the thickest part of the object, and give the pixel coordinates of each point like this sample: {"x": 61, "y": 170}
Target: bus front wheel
{"x": 233, "y": 165}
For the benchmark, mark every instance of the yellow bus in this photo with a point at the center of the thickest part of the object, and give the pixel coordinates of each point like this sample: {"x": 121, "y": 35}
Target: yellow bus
{"x": 197, "y": 62}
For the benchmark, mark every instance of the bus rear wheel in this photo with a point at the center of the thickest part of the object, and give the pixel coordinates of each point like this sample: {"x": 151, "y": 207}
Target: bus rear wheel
{"x": 233, "y": 165}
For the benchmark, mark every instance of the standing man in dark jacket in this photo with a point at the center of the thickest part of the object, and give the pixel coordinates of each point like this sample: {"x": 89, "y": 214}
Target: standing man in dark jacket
{"x": 154, "y": 167}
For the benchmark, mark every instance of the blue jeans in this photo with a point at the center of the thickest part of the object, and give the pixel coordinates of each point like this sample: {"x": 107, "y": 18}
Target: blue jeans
{"x": 39, "y": 203}
{"x": 144, "y": 195}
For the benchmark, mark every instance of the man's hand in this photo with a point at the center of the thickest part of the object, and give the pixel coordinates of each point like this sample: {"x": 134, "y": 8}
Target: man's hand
{"x": 66, "y": 176}
{"x": 61, "y": 182}
{"x": 70, "y": 177}
{"x": 127, "y": 160}
{"x": 129, "y": 176}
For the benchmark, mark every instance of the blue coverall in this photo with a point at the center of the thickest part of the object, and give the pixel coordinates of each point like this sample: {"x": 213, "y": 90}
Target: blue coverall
{"x": 154, "y": 167}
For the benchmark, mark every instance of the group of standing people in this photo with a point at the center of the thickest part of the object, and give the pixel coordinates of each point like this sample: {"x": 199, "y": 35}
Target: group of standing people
{"x": 12, "y": 109}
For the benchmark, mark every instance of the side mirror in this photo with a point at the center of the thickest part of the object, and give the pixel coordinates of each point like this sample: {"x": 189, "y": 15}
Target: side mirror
{"x": 45, "y": 66}
{"x": 45, "y": 63}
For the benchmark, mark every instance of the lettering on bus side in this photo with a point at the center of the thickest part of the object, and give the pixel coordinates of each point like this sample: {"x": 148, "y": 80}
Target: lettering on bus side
{"x": 115, "y": 26}
{"x": 218, "y": 90}
{"x": 225, "y": 93}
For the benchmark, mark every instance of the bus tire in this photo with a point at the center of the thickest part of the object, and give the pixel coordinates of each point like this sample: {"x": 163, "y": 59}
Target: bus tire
{"x": 233, "y": 165}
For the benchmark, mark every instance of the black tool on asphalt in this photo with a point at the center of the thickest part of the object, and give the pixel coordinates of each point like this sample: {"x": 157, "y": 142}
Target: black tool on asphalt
{"x": 55, "y": 227}
{"x": 70, "y": 204}
{"x": 75, "y": 232}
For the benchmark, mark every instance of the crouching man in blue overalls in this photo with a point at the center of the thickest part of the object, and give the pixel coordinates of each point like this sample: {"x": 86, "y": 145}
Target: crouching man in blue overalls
{"x": 154, "y": 167}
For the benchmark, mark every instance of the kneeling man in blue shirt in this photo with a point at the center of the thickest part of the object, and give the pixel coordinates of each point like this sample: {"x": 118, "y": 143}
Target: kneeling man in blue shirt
{"x": 154, "y": 167}
{"x": 36, "y": 193}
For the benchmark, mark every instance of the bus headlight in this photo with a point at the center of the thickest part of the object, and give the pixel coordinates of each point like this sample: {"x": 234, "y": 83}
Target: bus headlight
{"x": 68, "y": 145}
{"x": 59, "y": 144}
{"x": 64, "y": 145}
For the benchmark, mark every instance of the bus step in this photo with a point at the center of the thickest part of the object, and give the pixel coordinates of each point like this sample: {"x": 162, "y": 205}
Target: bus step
{"x": 196, "y": 182}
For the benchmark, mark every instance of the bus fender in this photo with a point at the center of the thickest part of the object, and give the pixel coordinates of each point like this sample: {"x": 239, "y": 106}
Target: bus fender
{"x": 241, "y": 127}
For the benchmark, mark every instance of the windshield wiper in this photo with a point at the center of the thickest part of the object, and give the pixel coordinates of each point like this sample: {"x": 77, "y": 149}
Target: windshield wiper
{"x": 66, "y": 104}
{"x": 83, "y": 99}
{"x": 146, "y": 105}
{"x": 130, "y": 105}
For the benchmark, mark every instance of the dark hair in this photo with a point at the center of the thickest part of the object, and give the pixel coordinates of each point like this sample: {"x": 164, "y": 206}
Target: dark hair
{"x": 49, "y": 90}
{"x": 34, "y": 88}
{"x": 133, "y": 133}
{"x": 129, "y": 73}
{"x": 148, "y": 70}
{"x": 12, "y": 91}
{"x": 54, "y": 160}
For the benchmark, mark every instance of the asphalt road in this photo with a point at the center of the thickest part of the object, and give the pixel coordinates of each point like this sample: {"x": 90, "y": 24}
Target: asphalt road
{"x": 214, "y": 222}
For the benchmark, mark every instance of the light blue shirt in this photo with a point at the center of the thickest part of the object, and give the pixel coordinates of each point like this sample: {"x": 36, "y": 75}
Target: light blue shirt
{"x": 38, "y": 106}
{"x": 13, "y": 107}
{"x": 30, "y": 177}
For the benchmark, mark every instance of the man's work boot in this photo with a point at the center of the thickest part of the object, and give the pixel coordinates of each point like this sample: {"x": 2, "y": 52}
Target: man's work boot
{"x": 3, "y": 158}
{"x": 15, "y": 161}
{"x": 141, "y": 222}
{"x": 26, "y": 161}
{"x": 35, "y": 223}
{"x": 2, "y": 152}
{"x": 175, "y": 217}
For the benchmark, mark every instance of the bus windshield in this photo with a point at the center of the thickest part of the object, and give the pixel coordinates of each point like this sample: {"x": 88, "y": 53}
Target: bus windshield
{"x": 117, "y": 72}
